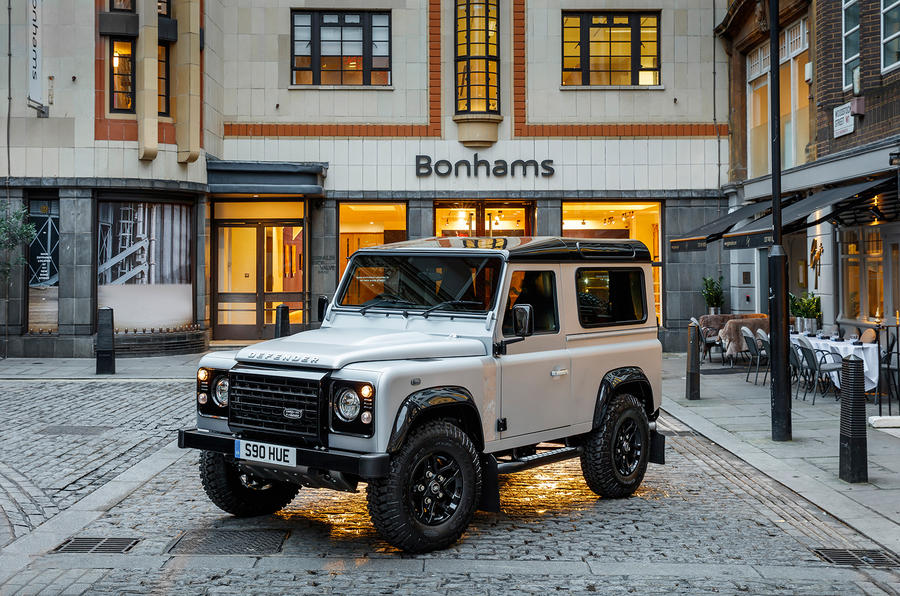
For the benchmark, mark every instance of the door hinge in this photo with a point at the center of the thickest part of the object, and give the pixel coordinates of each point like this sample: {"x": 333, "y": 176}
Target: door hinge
{"x": 501, "y": 425}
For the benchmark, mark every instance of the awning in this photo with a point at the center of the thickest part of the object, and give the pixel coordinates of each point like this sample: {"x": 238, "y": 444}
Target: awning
{"x": 761, "y": 232}
{"x": 698, "y": 239}
{"x": 265, "y": 177}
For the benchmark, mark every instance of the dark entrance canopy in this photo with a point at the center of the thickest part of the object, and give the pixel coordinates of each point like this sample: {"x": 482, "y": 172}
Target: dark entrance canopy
{"x": 760, "y": 233}
{"x": 699, "y": 238}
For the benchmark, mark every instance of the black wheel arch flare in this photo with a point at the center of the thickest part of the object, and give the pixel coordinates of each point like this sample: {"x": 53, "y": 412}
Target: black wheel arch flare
{"x": 628, "y": 379}
{"x": 448, "y": 401}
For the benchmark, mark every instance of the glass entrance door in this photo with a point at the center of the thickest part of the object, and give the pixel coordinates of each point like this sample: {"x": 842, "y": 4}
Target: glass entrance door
{"x": 258, "y": 266}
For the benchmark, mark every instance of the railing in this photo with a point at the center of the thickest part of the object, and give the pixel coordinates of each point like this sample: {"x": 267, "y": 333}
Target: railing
{"x": 888, "y": 364}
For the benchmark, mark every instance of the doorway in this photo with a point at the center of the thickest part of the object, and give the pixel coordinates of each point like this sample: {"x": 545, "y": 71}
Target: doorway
{"x": 483, "y": 218}
{"x": 258, "y": 265}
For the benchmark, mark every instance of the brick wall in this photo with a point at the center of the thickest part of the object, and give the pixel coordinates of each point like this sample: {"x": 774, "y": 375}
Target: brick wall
{"x": 881, "y": 92}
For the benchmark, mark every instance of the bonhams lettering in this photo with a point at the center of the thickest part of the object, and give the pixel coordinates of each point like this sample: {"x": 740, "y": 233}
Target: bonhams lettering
{"x": 500, "y": 167}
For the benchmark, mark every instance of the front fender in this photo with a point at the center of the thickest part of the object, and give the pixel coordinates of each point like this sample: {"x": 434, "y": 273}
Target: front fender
{"x": 436, "y": 402}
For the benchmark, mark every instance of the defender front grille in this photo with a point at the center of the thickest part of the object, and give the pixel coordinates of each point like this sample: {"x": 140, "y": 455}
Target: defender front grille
{"x": 259, "y": 402}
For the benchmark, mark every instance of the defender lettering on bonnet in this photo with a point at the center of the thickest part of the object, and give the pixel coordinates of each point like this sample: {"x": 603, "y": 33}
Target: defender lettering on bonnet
{"x": 437, "y": 373}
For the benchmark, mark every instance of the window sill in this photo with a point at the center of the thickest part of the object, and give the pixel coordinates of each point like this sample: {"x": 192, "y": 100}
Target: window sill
{"x": 893, "y": 67}
{"x": 612, "y": 87}
{"x": 341, "y": 87}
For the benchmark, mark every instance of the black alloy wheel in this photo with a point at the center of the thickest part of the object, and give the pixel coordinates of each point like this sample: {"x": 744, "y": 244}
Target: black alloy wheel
{"x": 629, "y": 446}
{"x": 435, "y": 488}
{"x": 616, "y": 453}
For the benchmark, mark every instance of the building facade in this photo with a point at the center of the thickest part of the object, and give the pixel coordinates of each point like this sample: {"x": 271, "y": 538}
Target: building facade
{"x": 322, "y": 127}
{"x": 840, "y": 124}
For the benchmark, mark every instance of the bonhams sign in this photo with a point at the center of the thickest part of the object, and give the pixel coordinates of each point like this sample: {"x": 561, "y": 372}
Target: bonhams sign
{"x": 425, "y": 166}
{"x": 35, "y": 70}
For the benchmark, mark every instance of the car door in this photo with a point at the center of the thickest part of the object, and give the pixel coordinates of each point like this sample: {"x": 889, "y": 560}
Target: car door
{"x": 535, "y": 386}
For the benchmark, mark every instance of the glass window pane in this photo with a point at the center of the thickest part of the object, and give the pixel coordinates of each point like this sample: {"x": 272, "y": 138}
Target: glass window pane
{"x": 302, "y": 33}
{"x": 381, "y": 77}
{"x": 892, "y": 52}
{"x": 331, "y": 63}
{"x": 330, "y": 33}
{"x": 610, "y": 296}
{"x": 351, "y": 18}
{"x": 851, "y": 44}
{"x": 874, "y": 289}
{"x": 380, "y": 20}
{"x": 331, "y": 18}
{"x": 600, "y": 78}
{"x": 571, "y": 78}
{"x": 302, "y": 48}
{"x": 353, "y": 48}
{"x": 303, "y": 77}
{"x": 353, "y": 77}
{"x": 381, "y": 62}
{"x": 380, "y": 33}
{"x": 851, "y": 16}
{"x": 331, "y": 77}
{"x": 363, "y": 225}
{"x": 302, "y": 61}
{"x": 648, "y": 77}
{"x": 571, "y": 22}
{"x": 571, "y": 49}
{"x": 302, "y": 19}
{"x": 331, "y": 48}
{"x": 352, "y": 33}
{"x": 850, "y": 287}
{"x": 381, "y": 48}
{"x": 891, "y": 22}
{"x": 538, "y": 289}
{"x": 848, "y": 70}
{"x": 43, "y": 266}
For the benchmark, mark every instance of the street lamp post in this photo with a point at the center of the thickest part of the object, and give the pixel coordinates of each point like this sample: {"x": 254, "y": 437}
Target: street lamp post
{"x": 778, "y": 338}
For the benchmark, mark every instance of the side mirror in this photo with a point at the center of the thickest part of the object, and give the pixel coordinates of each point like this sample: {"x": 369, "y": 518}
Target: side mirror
{"x": 523, "y": 320}
{"x": 322, "y": 307}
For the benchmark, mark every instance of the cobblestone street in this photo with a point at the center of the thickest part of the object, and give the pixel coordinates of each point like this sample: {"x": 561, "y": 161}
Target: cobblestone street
{"x": 706, "y": 522}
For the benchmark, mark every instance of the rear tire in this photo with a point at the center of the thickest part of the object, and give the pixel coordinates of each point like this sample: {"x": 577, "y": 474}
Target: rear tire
{"x": 430, "y": 495}
{"x": 239, "y": 493}
{"x": 615, "y": 455}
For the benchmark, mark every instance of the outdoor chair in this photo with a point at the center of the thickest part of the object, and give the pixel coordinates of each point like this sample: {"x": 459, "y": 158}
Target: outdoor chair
{"x": 817, "y": 368}
{"x": 868, "y": 336}
{"x": 766, "y": 348}
{"x": 709, "y": 339}
{"x": 796, "y": 364}
{"x": 755, "y": 353}
{"x": 888, "y": 363}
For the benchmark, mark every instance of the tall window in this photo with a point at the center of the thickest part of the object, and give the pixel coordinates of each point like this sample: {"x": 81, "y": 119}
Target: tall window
{"x": 850, "y": 44}
{"x": 43, "y": 266}
{"x": 162, "y": 79}
{"x": 862, "y": 279}
{"x": 793, "y": 103}
{"x": 477, "y": 56}
{"x": 341, "y": 48}
{"x": 369, "y": 224}
{"x": 164, "y": 8}
{"x": 614, "y": 48}
{"x": 121, "y": 75}
{"x": 123, "y": 5}
{"x": 890, "y": 34}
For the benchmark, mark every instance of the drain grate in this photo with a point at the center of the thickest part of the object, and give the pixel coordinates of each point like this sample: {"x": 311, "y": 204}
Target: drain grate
{"x": 103, "y": 546}
{"x": 858, "y": 558}
{"x": 229, "y": 542}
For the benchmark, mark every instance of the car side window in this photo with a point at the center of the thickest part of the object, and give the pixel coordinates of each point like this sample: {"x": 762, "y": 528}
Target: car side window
{"x": 537, "y": 288}
{"x": 610, "y": 296}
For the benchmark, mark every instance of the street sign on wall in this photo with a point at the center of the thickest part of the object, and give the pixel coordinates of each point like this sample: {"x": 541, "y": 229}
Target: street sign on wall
{"x": 35, "y": 67}
{"x": 843, "y": 120}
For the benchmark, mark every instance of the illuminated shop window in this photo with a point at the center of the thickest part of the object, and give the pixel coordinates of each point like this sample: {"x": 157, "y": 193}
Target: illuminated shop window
{"x": 610, "y": 48}
{"x": 477, "y": 57}
{"x": 638, "y": 221}
{"x": 164, "y": 8}
{"x": 341, "y": 48}
{"x": 162, "y": 79}
{"x": 121, "y": 75}
{"x": 121, "y": 5}
{"x": 369, "y": 224}
{"x": 483, "y": 219}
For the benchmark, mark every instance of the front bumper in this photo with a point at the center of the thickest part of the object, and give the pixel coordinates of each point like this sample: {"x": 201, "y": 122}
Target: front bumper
{"x": 364, "y": 465}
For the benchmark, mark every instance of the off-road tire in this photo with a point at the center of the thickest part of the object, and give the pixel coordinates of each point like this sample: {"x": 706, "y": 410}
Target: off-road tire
{"x": 223, "y": 485}
{"x": 598, "y": 459}
{"x": 390, "y": 498}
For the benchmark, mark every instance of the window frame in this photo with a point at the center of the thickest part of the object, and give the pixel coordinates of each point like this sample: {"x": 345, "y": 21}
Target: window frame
{"x": 846, "y": 86}
{"x": 894, "y": 5}
{"x": 167, "y": 96}
{"x": 634, "y": 24}
{"x": 315, "y": 53}
{"x": 508, "y": 308}
{"x": 458, "y": 60}
{"x": 132, "y": 8}
{"x": 112, "y": 77}
{"x": 643, "y": 283}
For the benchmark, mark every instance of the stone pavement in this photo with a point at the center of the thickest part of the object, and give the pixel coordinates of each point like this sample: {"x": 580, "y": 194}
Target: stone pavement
{"x": 737, "y": 415}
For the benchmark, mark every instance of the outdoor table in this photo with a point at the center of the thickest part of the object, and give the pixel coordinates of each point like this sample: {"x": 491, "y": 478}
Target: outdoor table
{"x": 869, "y": 354}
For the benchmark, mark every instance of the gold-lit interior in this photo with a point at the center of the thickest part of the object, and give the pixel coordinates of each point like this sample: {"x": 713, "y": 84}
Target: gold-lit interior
{"x": 369, "y": 224}
{"x": 598, "y": 49}
{"x": 499, "y": 220}
{"x": 122, "y": 75}
{"x": 477, "y": 56}
{"x": 341, "y": 53}
{"x": 162, "y": 79}
{"x": 638, "y": 221}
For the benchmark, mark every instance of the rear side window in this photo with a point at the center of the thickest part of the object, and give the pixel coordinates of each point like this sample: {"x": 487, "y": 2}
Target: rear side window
{"x": 610, "y": 297}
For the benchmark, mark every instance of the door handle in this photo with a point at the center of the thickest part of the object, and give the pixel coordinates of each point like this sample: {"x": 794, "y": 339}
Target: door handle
{"x": 559, "y": 372}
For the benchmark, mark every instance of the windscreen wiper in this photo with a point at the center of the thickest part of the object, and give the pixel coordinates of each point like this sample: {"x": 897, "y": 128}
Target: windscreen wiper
{"x": 384, "y": 300}
{"x": 447, "y": 303}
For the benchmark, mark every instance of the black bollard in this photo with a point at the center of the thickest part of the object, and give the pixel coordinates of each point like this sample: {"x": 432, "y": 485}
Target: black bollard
{"x": 692, "y": 385}
{"x": 106, "y": 343}
{"x": 282, "y": 320}
{"x": 853, "y": 466}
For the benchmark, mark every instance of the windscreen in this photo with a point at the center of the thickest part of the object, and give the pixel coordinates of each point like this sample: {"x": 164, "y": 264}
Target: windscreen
{"x": 456, "y": 283}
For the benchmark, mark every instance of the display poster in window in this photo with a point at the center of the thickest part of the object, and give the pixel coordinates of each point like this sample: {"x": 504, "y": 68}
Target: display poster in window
{"x": 43, "y": 266}
{"x": 843, "y": 120}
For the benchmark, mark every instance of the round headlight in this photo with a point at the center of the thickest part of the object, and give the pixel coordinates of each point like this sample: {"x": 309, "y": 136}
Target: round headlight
{"x": 366, "y": 417}
{"x": 347, "y": 405}
{"x": 366, "y": 391}
{"x": 202, "y": 374}
{"x": 201, "y": 398}
{"x": 220, "y": 395}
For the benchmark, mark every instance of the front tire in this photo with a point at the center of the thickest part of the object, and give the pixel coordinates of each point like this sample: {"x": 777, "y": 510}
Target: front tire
{"x": 430, "y": 496}
{"x": 615, "y": 455}
{"x": 239, "y": 493}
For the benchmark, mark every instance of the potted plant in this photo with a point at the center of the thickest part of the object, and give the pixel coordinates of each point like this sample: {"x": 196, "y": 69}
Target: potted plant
{"x": 796, "y": 312}
{"x": 713, "y": 295}
{"x": 810, "y": 309}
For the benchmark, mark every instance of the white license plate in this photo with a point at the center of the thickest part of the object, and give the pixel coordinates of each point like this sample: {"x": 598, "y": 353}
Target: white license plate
{"x": 265, "y": 453}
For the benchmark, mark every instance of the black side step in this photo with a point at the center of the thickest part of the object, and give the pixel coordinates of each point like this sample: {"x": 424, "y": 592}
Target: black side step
{"x": 538, "y": 459}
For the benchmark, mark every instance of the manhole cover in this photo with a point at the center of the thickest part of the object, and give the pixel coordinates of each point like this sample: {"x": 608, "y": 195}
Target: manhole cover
{"x": 858, "y": 558}
{"x": 73, "y": 430}
{"x": 108, "y": 546}
{"x": 229, "y": 542}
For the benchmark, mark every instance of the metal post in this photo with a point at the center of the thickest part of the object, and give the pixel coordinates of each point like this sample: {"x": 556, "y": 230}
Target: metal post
{"x": 106, "y": 344}
{"x": 853, "y": 466}
{"x": 692, "y": 385}
{"x": 282, "y": 320}
{"x": 778, "y": 320}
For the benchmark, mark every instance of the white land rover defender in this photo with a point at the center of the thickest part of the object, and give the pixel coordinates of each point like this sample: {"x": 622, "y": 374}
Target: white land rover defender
{"x": 441, "y": 363}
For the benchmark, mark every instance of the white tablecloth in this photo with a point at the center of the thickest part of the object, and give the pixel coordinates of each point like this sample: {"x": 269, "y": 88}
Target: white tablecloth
{"x": 868, "y": 352}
